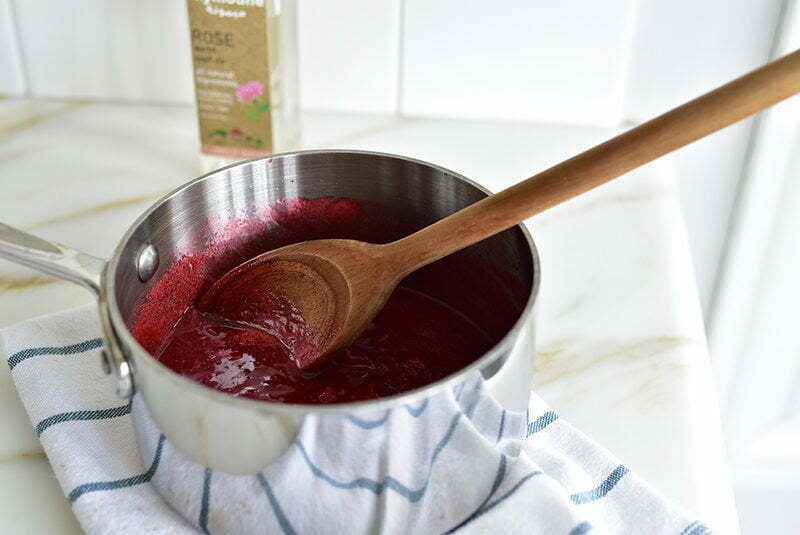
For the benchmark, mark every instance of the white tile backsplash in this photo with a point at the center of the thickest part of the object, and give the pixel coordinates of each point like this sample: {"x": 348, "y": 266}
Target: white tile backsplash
{"x": 590, "y": 63}
{"x": 124, "y": 49}
{"x": 12, "y": 76}
{"x": 516, "y": 59}
{"x": 349, "y": 54}
{"x": 683, "y": 48}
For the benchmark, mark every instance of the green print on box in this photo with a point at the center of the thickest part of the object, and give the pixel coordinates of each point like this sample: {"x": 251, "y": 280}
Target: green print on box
{"x": 235, "y": 137}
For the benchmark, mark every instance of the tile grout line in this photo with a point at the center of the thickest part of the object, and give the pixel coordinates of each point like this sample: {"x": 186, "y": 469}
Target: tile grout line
{"x": 401, "y": 30}
{"x": 627, "y": 62}
{"x": 23, "y": 60}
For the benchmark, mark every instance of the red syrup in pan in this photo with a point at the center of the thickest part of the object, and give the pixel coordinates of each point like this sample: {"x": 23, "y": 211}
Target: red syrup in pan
{"x": 251, "y": 348}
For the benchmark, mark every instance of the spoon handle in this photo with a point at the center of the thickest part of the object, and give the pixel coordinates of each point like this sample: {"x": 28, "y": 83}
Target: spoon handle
{"x": 689, "y": 122}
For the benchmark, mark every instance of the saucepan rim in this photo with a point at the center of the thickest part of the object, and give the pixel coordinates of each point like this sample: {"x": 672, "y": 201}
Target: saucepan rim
{"x": 122, "y": 331}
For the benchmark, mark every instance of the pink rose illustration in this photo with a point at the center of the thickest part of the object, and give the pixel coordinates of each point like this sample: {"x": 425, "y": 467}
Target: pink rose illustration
{"x": 249, "y": 91}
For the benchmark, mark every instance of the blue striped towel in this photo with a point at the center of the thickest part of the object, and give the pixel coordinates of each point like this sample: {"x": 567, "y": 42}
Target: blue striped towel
{"x": 456, "y": 462}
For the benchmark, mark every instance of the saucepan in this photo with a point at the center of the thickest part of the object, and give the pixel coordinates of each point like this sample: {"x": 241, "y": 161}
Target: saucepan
{"x": 201, "y": 421}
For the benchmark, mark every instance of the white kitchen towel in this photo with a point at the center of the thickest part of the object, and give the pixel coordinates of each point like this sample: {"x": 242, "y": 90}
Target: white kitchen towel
{"x": 456, "y": 462}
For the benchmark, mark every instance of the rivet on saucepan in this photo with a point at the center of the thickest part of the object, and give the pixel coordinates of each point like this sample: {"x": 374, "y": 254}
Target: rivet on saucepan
{"x": 147, "y": 262}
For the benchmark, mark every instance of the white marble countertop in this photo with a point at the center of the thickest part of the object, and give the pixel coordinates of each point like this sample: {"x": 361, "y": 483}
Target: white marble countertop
{"x": 621, "y": 349}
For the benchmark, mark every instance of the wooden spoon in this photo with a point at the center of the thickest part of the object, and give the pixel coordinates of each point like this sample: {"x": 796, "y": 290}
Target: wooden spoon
{"x": 340, "y": 285}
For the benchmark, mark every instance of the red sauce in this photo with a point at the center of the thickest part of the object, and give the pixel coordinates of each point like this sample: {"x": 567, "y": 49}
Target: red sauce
{"x": 252, "y": 350}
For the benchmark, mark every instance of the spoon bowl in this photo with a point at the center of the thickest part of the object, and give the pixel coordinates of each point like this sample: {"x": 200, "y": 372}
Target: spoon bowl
{"x": 335, "y": 284}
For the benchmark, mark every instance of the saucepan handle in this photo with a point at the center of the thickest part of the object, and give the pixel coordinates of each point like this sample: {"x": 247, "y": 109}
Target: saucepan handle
{"x": 75, "y": 266}
{"x": 51, "y": 258}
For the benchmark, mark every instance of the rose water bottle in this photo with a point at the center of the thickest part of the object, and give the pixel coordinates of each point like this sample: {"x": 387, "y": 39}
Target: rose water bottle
{"x": 244, "y": 55}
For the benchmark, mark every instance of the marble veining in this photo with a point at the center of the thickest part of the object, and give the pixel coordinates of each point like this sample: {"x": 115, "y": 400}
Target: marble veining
{"x": 17, "y": 115}
{"x": 621, "y": 350}
{"x": 98, "y": 208}
{"x": 24, "y": 456}
{"x": 10, "y": 284}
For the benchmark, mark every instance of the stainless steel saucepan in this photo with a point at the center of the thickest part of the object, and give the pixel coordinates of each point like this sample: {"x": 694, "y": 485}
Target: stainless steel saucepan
{"x": 201, "y": 421}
